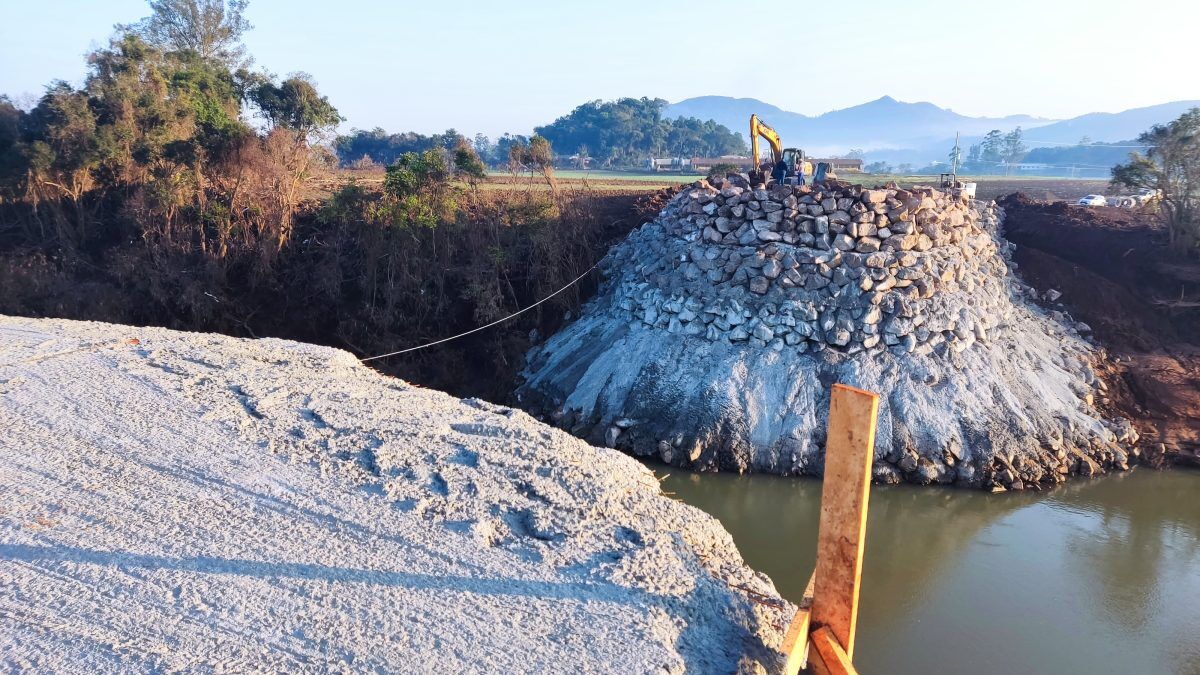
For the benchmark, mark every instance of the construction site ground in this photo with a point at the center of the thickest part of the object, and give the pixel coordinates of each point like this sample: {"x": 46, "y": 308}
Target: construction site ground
{"x": 1117, "y": 273}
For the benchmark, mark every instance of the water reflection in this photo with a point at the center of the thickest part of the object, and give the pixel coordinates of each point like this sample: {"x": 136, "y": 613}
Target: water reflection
{"x": 1098, "y": 576}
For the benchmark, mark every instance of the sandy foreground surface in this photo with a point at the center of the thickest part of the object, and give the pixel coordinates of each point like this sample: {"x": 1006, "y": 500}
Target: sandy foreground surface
{"x": 198, "y": 502}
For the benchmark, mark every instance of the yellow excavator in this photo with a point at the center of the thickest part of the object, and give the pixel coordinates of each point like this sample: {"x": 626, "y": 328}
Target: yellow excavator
{"x": 797, "y": 164}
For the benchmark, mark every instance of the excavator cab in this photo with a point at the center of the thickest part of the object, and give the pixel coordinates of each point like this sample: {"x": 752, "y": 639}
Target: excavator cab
{"x": 796, "y": 162}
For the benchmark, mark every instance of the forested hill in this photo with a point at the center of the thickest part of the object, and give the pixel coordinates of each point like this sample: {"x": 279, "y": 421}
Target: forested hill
{"x": 627, "y": 130}
{"x": 611, "y": 134}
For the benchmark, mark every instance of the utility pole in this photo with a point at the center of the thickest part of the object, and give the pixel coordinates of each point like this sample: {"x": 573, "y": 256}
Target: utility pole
{"x": 954, "y": 165}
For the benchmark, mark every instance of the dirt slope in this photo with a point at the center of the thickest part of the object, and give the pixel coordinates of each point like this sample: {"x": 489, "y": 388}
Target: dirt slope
{"x": 1115, "y": 273}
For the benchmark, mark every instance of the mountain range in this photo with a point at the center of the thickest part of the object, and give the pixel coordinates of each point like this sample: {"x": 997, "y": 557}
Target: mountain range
{"x": 898, "y": 131}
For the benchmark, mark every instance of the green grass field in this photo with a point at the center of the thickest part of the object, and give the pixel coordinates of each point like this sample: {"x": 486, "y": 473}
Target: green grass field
{"x": 988, "y": 187}
{"x": 602, "y": 176}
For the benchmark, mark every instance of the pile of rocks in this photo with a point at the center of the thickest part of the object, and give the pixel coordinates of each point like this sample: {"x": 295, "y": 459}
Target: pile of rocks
{"x": 829, "y": 266}
{"x": 720, "y": 326}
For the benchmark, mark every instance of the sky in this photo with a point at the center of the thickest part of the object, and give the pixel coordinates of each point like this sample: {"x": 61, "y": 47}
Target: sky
{"x": 492, "y": 67}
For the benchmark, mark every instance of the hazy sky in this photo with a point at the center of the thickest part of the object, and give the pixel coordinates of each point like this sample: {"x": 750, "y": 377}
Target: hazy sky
{"x": 507, "y": 66}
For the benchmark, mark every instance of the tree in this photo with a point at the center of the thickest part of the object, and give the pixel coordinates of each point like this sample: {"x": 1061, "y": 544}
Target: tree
{"x": 878, "y": 167}
{"x": 467, "y": 163}
{"x": 155, "y": 145}
{"x": 502, "y": 153}
{"x": 1012, "y": 149}
{"x": 855, "y": 153}
{"x": 990, "y": 150}
{"x": 63, "y": 156}
{"x": 628, "y": 131}
{"x": 295, "y": 104}
{"x": 212, "y": 29}
{"x": 11, "y": 160}
{"x": 483, "y": 147}
{"x": 415, "y": 172}
{"x": 974, "y": 157}
{"x": 955, "y": 156}
{"x": 1171, "y": 165}
{"x": 538, "y": 156}
{"x": 297, "y": 114}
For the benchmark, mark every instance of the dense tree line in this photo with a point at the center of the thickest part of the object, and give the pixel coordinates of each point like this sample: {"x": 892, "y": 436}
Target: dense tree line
{"x": 155, "y": 144}
{"x": 627, "y": 131}
{"x": 611, "y": 134}
{"x": 377, "y": 147}
{"x": 1086, "y": 153}
{"x": 178, "y": 187}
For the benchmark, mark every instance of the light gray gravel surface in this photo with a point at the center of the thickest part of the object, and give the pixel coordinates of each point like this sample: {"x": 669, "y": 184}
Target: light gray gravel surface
{"x": 198, "y": 502}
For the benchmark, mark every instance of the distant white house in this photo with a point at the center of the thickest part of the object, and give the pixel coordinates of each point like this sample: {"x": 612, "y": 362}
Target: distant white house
{"x": 669, "y": 164}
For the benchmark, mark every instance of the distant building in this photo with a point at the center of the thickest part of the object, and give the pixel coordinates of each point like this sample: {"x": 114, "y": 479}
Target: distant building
{"x": 836, "y": 163}
{"x": 669, "y": 164}
{"x": 840, "y": 163}
{"x": 706, "y": 163}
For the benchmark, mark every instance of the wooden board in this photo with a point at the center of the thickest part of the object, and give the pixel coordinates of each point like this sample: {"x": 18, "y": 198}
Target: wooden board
{"x": 795, "y": 643}
{"x": 828, "y": 656}
{"x": 849, "y": 450}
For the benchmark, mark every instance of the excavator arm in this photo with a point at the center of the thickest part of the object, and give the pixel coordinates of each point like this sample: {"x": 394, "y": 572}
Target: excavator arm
{"x": 760, "y": 128}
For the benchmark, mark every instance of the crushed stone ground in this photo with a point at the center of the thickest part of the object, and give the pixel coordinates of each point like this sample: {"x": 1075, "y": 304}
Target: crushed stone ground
{"x": 200, "y": 502}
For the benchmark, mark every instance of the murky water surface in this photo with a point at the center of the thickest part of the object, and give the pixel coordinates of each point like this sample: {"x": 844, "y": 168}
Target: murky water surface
{"x": 1098, "y": 576}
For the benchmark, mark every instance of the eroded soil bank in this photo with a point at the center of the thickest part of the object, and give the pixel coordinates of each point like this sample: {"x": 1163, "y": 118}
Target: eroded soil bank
{"x": 1115, "y": 272}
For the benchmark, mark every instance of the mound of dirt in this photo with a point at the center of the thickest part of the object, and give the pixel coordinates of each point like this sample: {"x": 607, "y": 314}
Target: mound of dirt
{"x": 1115, "y": 272}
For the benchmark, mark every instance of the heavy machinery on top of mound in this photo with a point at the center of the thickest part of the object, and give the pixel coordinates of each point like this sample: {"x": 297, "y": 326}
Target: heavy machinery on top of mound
{"x": 786, "y": 163}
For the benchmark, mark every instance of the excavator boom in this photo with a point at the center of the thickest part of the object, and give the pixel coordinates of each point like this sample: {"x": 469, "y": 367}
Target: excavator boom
{"x": 760, "y": 128}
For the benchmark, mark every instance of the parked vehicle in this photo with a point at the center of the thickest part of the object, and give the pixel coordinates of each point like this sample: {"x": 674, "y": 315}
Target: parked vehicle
{"x": 1093, "y": 200}
{"x": 1147, "y": 196}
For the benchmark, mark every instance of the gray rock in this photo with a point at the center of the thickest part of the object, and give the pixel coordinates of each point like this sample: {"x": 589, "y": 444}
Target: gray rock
{"x": 867, "y": 245}
{"x": 772, "y": 268}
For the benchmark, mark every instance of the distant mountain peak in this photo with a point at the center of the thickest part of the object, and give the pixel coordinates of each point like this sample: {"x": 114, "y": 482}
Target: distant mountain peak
{"x": 922, "y": 131}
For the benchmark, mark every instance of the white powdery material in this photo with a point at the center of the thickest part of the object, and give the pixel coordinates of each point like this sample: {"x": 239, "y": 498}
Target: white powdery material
{"x": 198, "y": 502}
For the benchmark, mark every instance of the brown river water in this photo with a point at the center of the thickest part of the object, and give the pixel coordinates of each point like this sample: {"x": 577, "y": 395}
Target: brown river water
{"x": 1096, "y": 576}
